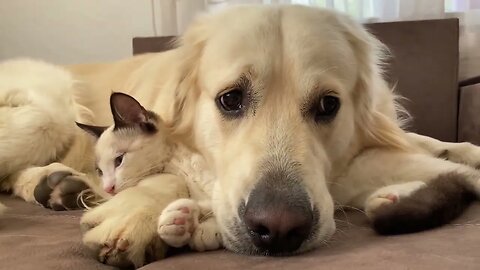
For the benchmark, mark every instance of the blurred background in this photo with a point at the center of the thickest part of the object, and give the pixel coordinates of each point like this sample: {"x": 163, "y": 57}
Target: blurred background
{"x": 77, "y": 31}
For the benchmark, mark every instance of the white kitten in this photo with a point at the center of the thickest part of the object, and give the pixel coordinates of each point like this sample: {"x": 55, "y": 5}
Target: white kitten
{"x": 136, "y": 146}
{"x": 139, "y": 145}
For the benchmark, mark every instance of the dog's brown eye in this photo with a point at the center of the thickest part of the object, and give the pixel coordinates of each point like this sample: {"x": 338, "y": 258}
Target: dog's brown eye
{"x": 232, "y": 102}
{"x": 327, "y": 108}
{"x": 118, "y": 160}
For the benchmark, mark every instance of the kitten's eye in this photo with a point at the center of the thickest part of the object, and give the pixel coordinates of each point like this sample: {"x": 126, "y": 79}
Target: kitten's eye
{"x": 327, "y": 108}
{"x": 99, "y": 172}
{"x": 118, "y": 160}
{"x": 231, "y": 102}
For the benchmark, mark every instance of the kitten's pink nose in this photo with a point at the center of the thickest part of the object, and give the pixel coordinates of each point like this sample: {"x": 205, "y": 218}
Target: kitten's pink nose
{"x": 110, "y": 189}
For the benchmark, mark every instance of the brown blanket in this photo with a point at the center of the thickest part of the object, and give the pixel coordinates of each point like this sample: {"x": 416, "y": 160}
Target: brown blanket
{"x": 35, "y": 238}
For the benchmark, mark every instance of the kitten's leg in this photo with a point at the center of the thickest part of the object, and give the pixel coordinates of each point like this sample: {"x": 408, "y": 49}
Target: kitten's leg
{"x": 463, "y": 153}
{"x": 207, "y": 235}
{"x": 417, "y": 206}
{"x": 407, "y": 192}
{"x": 122, "y": 231}
{"x": 389, "y": 195}
{"x": 186, "y": 221}
{"x": 54, "y": 186}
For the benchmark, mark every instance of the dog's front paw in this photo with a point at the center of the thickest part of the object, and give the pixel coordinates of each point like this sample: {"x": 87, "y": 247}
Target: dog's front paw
{"x": 178, "y": 221}
{"x": 60, "y": 190}
{"x": 123, "y": 234}
{"x": 463, "y": 153}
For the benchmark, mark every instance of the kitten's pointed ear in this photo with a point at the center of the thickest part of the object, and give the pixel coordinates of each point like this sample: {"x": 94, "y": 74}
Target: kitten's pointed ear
{"x": 128, "y": 112}
{"x": 95, "y": 131}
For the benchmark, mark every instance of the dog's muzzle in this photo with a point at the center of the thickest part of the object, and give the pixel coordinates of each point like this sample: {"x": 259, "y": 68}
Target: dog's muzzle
{"x": 278, "y": 215}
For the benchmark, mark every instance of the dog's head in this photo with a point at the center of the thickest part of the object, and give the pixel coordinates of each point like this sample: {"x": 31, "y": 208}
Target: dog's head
{"x": 280, "y": 99}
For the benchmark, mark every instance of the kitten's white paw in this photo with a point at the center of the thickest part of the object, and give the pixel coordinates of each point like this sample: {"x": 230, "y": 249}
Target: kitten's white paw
{"x": 206, "y": 236}
{"x": 122, "y": 231}
{"x": 390, "y": 195}
{"x": 178, "y": 221}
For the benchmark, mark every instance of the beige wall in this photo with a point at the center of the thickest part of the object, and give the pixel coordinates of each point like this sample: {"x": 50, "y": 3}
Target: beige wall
{"x": 72, "y": 31}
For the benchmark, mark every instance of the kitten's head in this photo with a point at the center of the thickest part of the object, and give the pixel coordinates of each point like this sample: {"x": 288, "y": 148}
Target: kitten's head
{"x": 137, "y": 145}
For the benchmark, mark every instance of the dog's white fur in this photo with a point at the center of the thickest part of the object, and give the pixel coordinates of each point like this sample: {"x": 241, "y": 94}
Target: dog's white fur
{"x": 289, "y": 54}
{"x": 37, "y": 108}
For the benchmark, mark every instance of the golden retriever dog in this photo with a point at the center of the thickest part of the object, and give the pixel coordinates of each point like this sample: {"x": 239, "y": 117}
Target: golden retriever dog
{"x": 286, "y": 106}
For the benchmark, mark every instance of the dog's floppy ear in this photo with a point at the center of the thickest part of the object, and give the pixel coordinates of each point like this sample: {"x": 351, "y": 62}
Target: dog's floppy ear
{"x": 190, "y": 48}
{"x": 377, "y": 119}
{"x": 128, "y": 112}
{"x": 95, "y": 131}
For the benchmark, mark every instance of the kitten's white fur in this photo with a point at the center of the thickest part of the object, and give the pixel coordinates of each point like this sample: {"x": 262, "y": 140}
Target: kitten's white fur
{"x": 184, "y": 221}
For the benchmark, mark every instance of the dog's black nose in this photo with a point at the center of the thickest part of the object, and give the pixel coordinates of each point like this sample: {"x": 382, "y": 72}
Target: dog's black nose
{"x": 278, "y": 214}
{"x": 278, "y": 228}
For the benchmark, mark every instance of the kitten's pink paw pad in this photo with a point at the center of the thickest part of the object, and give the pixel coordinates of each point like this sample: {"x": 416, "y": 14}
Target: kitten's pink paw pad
{"x": 177, "y": 222}
{"x": 393, "y": 198}
{"x": 185, "y": 210}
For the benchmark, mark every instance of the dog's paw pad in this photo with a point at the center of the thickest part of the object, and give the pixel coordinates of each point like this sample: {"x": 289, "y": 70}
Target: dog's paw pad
{"x": 60, "y": 191}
